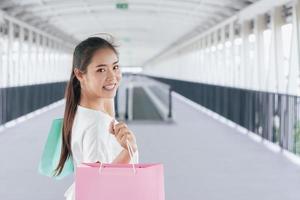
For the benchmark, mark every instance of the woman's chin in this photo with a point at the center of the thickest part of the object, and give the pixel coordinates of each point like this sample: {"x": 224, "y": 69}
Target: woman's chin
{"x": 105, "y": 94}
{"x": 108, "y": 93}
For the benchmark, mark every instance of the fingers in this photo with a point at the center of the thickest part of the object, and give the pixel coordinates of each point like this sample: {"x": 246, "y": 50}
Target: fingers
{"x": 128, "y": 136}
{"x": 123, "y": 139}
{"x": 118, "y": 126}
{"x": 122, "y": 132}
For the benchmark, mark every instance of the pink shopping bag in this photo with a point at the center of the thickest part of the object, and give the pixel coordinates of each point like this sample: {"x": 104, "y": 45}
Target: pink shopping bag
{"x": 95, "y": 181}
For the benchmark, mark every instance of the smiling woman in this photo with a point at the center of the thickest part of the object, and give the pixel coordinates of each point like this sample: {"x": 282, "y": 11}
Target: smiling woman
{"x": 103, "y": 68}
{"x": 90, "y": 132}
{"x": 101, "y": 78}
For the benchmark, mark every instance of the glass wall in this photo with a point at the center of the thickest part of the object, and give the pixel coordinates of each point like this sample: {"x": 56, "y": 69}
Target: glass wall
{"x": 30, "y": 58}
{"x": 259, "y": 54}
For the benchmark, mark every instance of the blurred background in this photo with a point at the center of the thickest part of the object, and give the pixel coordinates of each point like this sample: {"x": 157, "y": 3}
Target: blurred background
{"x": 211, "y": 89}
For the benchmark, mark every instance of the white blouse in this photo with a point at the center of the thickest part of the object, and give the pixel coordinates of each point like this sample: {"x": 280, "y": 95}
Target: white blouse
{"x": 92, "y": 142}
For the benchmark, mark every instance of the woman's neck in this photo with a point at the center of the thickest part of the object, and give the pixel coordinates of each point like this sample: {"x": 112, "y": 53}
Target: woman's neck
{"x": 109, "y": 107}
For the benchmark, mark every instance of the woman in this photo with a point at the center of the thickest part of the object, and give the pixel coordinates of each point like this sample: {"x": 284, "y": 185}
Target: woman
{"x": 90, "y": 133}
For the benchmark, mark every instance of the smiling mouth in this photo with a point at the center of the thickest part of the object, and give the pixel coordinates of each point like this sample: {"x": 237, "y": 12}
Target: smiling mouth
{"x": 110, "y": 87}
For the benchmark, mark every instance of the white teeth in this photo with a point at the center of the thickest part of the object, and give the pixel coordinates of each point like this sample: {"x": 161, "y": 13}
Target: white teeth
{"x": 109, "y": 87}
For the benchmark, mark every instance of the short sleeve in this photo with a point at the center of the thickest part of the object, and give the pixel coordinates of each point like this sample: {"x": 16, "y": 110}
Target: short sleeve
{"x": 93, "y": 146}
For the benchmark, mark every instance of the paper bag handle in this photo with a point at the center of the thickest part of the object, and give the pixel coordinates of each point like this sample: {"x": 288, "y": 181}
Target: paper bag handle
{"x": 129, "y": 147}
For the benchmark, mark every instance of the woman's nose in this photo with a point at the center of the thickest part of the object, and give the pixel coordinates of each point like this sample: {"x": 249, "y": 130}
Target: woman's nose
{"x": 111, "y": 75}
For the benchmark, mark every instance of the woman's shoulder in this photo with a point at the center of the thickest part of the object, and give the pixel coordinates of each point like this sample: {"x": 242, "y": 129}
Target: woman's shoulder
{"x": 87, "y": 117}
{"x": 87, "y": 120}
{"x": 91, "y": 114}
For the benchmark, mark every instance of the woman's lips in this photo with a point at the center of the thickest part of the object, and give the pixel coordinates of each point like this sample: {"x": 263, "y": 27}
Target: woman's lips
{"x": 109, "y": 87}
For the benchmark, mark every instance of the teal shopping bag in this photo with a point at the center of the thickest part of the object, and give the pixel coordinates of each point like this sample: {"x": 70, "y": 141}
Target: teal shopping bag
{"x": 51, "y": 153}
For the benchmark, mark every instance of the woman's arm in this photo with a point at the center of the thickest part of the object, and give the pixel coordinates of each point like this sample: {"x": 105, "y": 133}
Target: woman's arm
{"x": 124, "y": 135}
{"x": 122, "y": 158}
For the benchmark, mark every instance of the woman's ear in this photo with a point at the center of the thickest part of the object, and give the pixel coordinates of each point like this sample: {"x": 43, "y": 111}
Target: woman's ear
{"x": 78, "y": 74}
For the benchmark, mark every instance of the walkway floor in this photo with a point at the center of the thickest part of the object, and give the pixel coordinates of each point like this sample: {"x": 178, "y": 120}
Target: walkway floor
{"x": 203, "y": 159}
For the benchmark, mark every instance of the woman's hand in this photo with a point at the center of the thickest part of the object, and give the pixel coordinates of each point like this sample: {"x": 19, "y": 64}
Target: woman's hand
{"x": 122, "y": 133}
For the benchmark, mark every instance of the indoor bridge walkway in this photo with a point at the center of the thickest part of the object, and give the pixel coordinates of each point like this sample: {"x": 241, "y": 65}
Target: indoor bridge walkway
{"x": 209, "y": 88}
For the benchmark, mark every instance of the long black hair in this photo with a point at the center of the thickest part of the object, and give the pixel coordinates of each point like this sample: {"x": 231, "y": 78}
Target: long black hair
{"x": 82, "y": 57}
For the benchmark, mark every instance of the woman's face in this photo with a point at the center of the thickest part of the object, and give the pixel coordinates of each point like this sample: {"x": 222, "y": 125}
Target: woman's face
{"x": 103, "y": 75}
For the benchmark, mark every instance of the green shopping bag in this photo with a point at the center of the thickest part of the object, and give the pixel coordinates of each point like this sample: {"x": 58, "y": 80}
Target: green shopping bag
{"x": 51, "y": 153}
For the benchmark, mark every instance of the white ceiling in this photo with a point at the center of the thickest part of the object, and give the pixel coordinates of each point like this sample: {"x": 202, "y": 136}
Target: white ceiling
{"x": 145, "y": 29}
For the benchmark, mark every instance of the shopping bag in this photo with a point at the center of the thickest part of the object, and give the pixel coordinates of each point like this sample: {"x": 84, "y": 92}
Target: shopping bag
{"x": 94, "y": 181}
{"x": 51, "y": 153}
{"x": 119, "y": 181}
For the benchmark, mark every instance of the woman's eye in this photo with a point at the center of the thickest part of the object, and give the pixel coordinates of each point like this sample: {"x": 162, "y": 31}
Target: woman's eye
{"x": 100, "y": 70}
{"x": 116, "y": 67}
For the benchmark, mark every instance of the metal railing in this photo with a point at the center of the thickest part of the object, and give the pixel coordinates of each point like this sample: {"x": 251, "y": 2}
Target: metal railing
{"x": 18, "y": 101}
{"x": 275, "y": 117}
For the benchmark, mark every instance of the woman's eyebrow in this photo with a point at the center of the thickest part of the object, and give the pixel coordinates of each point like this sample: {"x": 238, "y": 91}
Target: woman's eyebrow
{"x": 105, "y": 65}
